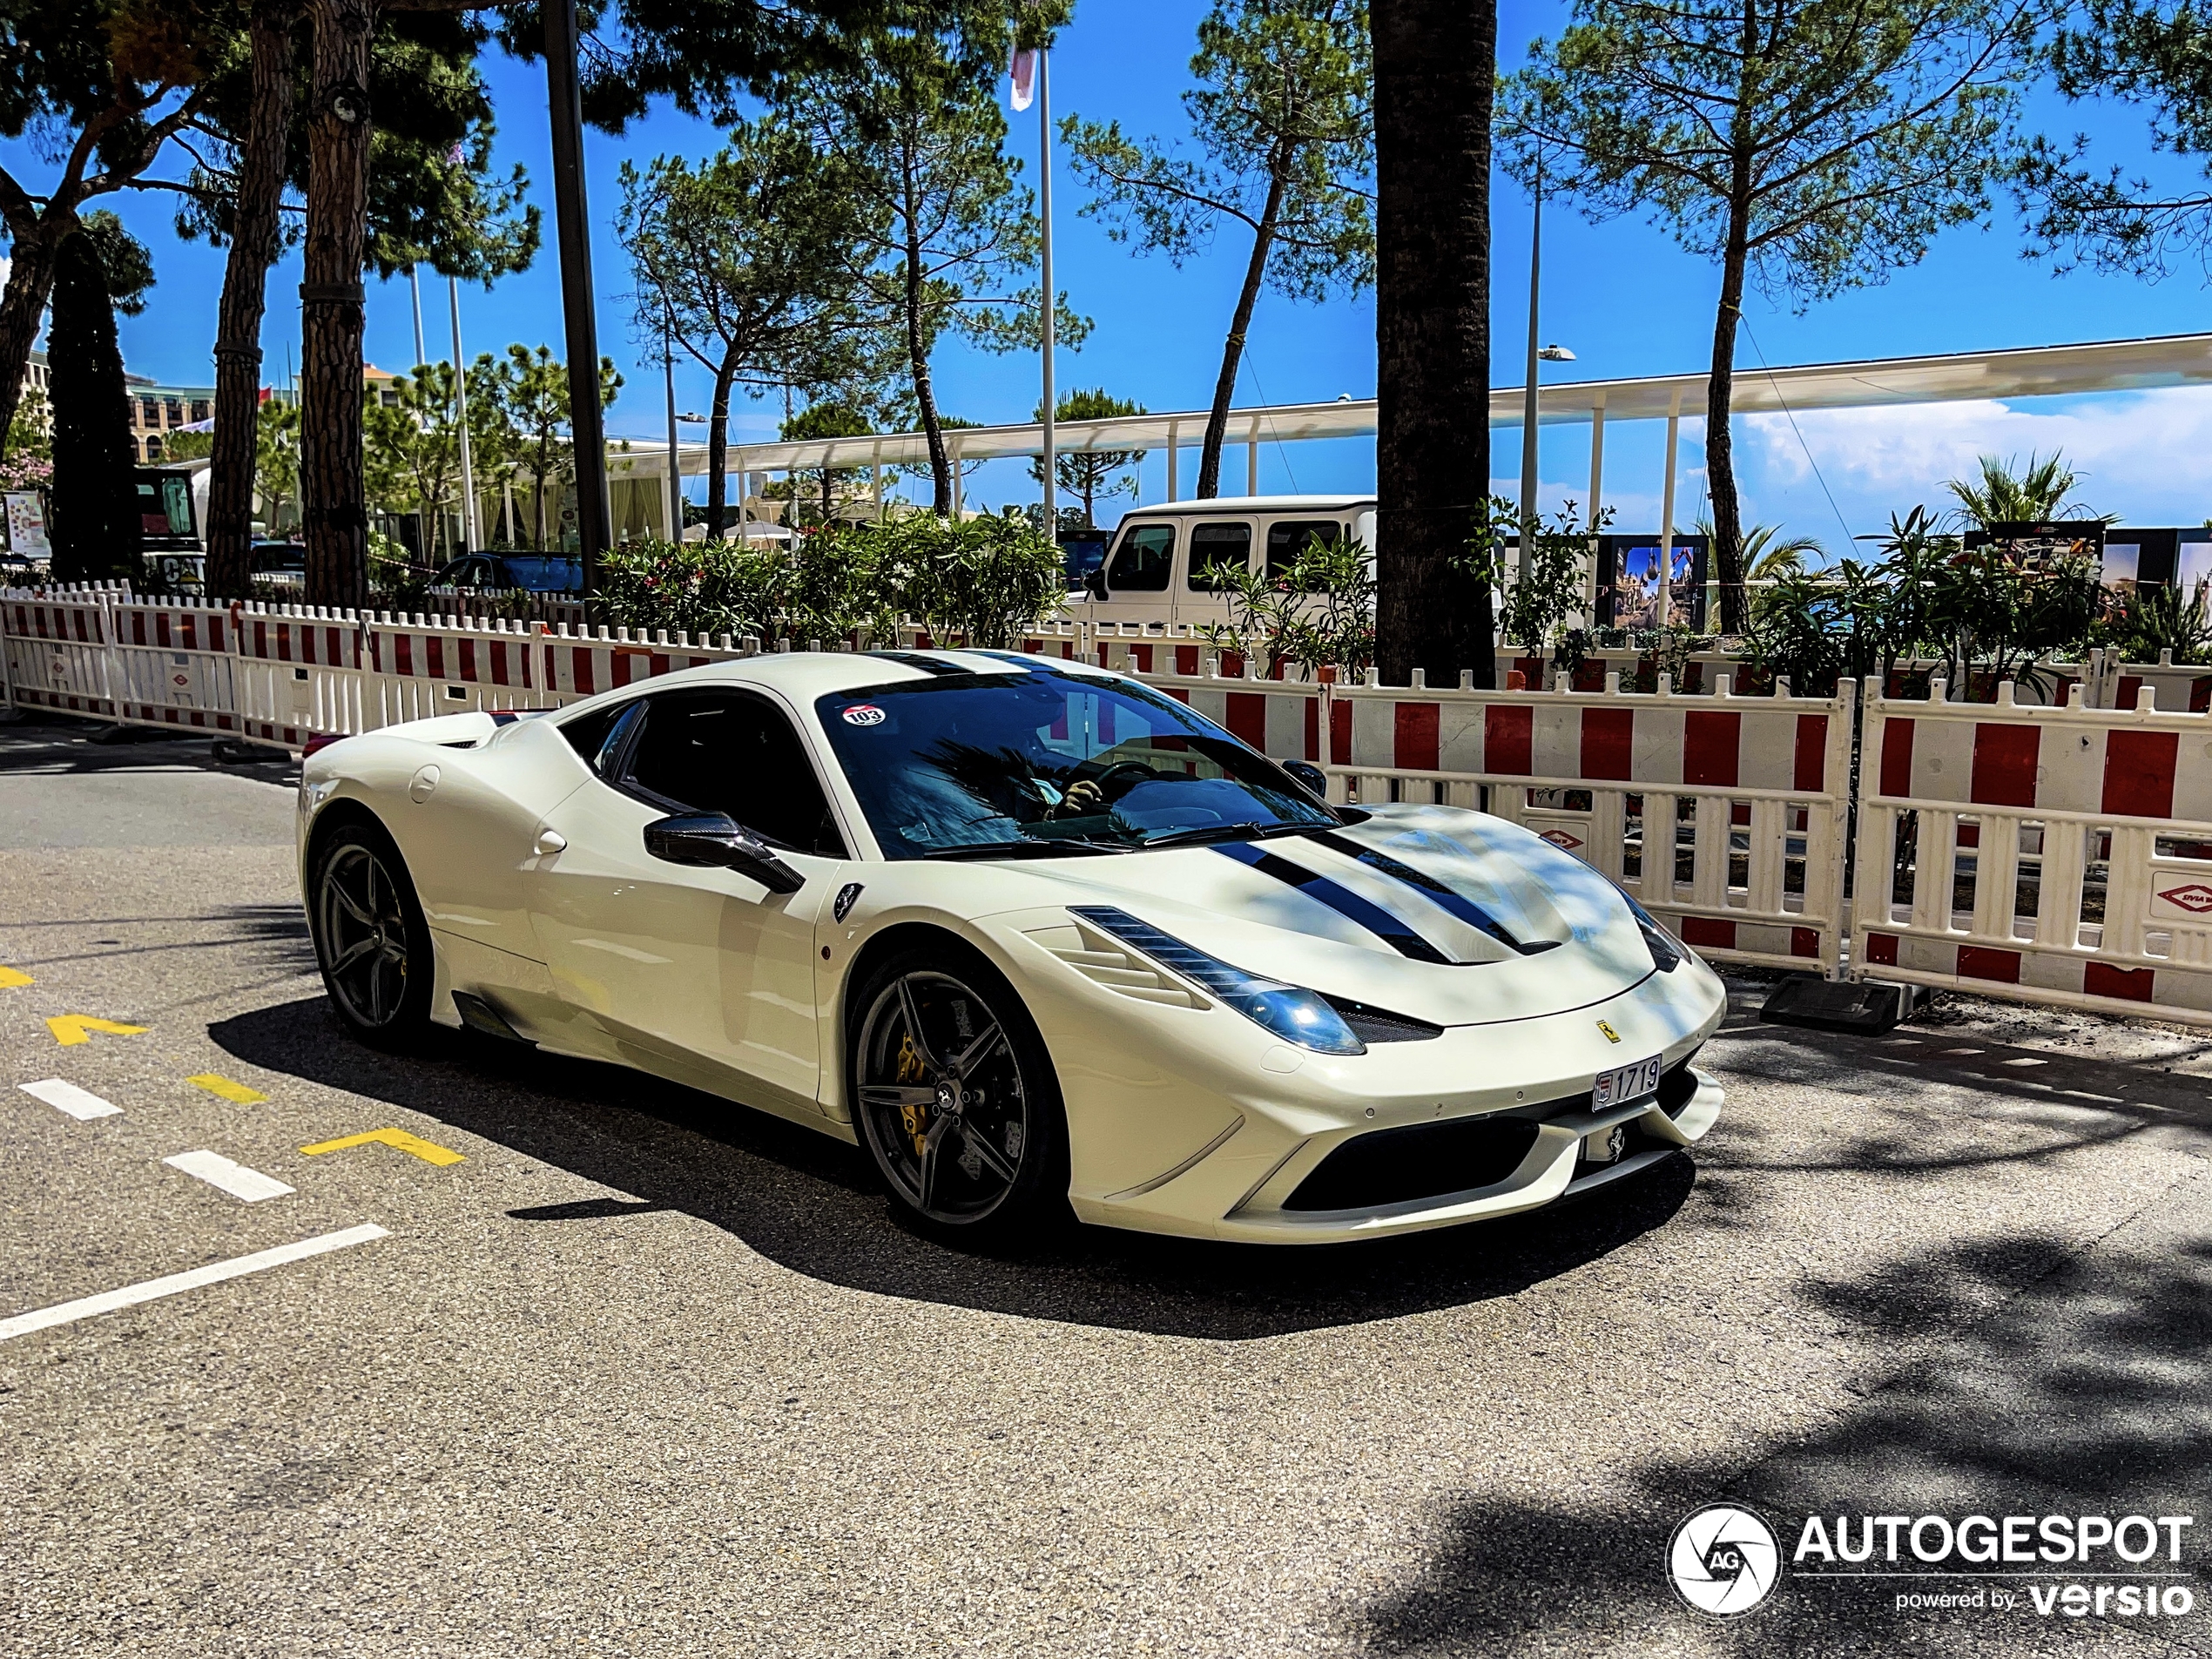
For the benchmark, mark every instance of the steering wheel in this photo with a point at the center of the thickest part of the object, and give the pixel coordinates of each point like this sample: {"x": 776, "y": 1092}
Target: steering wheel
{"x": 1144, "y": 773}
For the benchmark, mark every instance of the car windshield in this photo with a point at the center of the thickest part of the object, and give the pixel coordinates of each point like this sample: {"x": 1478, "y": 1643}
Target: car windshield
{"x": 1041, "y": 762}
{"x": 544, "y": 573}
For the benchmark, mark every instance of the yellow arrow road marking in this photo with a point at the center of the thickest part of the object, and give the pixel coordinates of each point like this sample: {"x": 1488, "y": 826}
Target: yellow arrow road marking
{"x": 215, "y": 1084}
{"x": 428, "y": 1151}
{"x": 12, "y": 977}
{"x": 70, "y": 1029}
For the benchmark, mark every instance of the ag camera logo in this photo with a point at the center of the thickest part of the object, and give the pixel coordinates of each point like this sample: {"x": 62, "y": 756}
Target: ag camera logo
{"x": 1724, "y": 1561}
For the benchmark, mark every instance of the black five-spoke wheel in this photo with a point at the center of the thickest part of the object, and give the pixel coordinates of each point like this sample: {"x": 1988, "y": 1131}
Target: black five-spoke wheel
{"x": 369, "y": 936}
{"x": 956, "y": 1098}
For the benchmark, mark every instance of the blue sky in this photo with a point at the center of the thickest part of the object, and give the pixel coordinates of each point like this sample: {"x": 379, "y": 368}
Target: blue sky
{"x": 1621, "y": 295}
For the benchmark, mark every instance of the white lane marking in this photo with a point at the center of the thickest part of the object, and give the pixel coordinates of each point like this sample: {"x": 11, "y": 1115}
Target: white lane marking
{"x": 77, "y": 1102}
{"x": 235, "y": 1179}
{"x": 213, "y": 1273}
{"x": 2083, "y": 1094}
{"x": 2027, "y": 1062}
{"x": 1962, "y": 1051}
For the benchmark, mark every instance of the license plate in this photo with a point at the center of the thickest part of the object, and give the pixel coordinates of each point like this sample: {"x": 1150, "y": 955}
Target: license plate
{"x": 1625, "y": 1083}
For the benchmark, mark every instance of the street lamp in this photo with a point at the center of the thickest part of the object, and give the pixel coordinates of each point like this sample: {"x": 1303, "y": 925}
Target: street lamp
{"x": 1556, "y": 355}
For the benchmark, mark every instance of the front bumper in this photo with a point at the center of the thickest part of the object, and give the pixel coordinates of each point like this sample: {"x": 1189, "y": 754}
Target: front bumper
{"x": 1553, "y": 1168}
{"x": 1196, "y": 1122}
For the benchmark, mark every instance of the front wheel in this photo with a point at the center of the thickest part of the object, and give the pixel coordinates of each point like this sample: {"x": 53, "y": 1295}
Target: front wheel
{"x": 370, "y": 938}
{"x": 956, "y": 1098}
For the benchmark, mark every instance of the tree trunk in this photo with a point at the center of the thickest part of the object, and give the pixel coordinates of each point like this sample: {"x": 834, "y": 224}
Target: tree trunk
{"x": 330, "y": 327}
{"x": 31, "y": 280}
{"x": 1232, "y": 350}
{"x": 238, "y": 327}
{"x": 1435, "y": 62}
{"x": 933, "y": 427}
{"x": 718, "y": 445}
{"x": 1720, "y": 447}
{"x": 1727, "y": 552}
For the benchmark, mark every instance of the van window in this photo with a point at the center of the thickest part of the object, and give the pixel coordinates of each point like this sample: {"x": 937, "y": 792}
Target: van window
{"x": 1286, "y": 540}
{"x": 1215, "y": 548}
{"x": 1142, "y": 560}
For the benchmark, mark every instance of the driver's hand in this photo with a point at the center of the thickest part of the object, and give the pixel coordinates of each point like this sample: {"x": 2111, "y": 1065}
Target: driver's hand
{"x": 1082, "y": 798}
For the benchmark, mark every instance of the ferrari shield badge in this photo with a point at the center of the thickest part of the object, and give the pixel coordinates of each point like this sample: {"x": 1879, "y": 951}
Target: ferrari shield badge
{"x": 1611, "y": 1035}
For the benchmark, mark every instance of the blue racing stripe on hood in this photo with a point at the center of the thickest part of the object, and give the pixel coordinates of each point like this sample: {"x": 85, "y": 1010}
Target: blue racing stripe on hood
{"x": 1446, "y": 899}
{"x": 1377, "y": 921}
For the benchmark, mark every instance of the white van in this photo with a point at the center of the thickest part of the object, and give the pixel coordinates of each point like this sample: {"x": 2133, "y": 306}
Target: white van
{"x": 1155, "y": 570}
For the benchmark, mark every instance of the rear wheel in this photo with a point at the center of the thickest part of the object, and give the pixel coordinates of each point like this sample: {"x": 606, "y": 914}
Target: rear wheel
{"x": 956, "y": 1099}
{"x": 370, "y": 937}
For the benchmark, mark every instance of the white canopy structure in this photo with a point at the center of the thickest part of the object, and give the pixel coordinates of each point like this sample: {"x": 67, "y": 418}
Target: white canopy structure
{"x": 2030, "y": 371}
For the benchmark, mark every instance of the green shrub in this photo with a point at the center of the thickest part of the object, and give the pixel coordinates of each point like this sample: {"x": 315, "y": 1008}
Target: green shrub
{"x": 1317, "y": 612}
{"x": 986, "y": 580}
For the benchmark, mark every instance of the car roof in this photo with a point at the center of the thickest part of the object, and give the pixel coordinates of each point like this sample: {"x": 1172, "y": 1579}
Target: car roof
{"x": 1255, "y": 504}
{"x": 803, "y": 676}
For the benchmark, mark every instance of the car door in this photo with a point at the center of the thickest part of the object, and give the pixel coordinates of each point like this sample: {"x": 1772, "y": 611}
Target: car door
{"x": 699, "y": 974}
{"x": 1138, "y": 573}
{"x": 1215, "y": 545}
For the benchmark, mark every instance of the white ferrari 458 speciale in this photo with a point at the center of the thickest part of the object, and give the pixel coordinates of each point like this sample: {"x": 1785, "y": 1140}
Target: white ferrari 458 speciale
{"x": 1035, "y": 934}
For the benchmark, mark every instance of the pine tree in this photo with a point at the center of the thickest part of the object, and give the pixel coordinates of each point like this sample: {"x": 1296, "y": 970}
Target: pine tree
{"x": 95, "y": 486}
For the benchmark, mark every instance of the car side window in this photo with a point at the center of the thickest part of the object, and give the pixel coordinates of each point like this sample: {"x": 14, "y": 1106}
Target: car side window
{"x": 598, "y": 737}
{"x": 1215, "y": 549}
{"x": 729, "y": 751}
{"x": 1286, "y": 540}
{"x": 1142, "y": 560}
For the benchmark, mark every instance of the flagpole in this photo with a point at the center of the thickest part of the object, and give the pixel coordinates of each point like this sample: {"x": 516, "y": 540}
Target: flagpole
{"x": 1044, "y": 205}
{"x": 675, "y": 477}
{"x": 470, "y": 530}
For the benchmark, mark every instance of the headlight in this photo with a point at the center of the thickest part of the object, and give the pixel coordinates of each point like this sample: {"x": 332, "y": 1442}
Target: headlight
{"x": 1292, "y": 1013}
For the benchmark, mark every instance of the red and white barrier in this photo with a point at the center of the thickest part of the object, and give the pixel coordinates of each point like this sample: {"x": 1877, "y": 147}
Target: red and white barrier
{"x": 2104, "y": 814}
{"x": 1726, "y": 816}
{"x": 173, "y": 665}
{"x": 1281, "y": 717}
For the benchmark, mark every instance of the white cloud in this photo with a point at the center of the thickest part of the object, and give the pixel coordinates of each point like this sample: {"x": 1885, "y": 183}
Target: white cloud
{"x": 2141, "y": 454}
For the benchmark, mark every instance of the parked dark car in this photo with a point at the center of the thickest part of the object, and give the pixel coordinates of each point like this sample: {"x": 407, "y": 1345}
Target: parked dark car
{"x": 279, "y": 563}
{"x": 532, "y": 572}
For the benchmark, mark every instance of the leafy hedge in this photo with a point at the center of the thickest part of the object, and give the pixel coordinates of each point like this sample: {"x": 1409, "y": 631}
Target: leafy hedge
{"x": 986, "y": 579}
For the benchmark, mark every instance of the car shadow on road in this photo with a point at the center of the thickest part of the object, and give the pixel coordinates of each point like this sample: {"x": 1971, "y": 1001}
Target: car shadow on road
{"x": 2029, "y": 1379}
{"x": 813, "y": 1203}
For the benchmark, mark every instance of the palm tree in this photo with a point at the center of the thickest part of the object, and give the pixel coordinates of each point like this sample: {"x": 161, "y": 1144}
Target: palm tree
{"x": 1768, "y": 555}
{"x": 2007, "y": 494}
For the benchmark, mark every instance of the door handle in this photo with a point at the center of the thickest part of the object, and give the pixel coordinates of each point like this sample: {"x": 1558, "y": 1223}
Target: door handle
{"x": 550, "y": 841}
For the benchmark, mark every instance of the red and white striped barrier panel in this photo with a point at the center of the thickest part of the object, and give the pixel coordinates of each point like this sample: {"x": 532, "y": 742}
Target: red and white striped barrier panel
{"x": 1282, "y": 719}
{"x": 2103, "y": 815}
{"x": 1727, "y": 817}
{"x": 56, "y": 654}
{"x": 583, "y": 664}
{"x": 173, "y": 665}
{"x": 298, "y": 672}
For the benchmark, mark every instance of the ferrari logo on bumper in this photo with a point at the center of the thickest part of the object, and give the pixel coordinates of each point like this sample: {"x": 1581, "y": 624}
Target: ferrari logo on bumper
{"x": 1611, "y": 1035}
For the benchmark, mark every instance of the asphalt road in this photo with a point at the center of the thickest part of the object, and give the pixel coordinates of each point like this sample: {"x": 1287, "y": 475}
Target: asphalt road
{"x": 645, "y": 1374}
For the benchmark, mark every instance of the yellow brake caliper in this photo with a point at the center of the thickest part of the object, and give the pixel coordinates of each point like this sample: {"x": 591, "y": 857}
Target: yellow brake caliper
{"x": 913, "y": 1070}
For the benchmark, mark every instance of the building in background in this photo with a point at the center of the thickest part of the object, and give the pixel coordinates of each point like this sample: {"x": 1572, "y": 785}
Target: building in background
{"x": 158, "y": 410}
